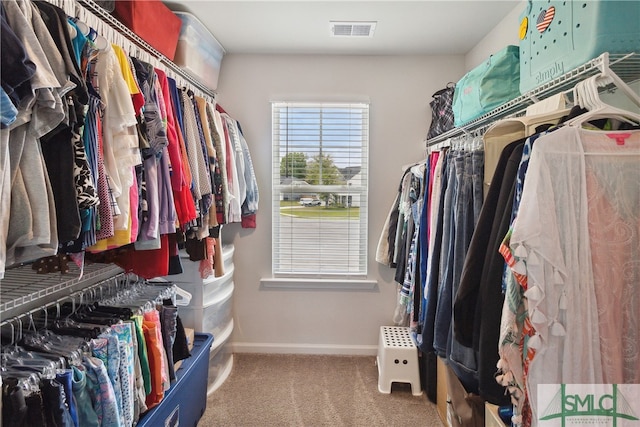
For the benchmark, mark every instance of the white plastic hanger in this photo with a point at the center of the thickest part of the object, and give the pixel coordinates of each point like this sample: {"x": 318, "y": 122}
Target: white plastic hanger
{"x": 589, "y": 98}
{"x": 183, "y": 297}
{"x": 620, "y": 84}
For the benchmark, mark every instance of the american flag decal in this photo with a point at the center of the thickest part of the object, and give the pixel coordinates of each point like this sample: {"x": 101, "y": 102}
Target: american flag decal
{"x": 545, "y": 18}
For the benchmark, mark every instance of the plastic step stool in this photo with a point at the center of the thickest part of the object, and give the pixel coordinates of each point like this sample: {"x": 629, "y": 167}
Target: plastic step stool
{"x": 397, "y": 359}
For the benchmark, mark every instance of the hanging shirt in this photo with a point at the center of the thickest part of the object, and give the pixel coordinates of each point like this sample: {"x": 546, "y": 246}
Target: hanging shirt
{"x": 234, "y": 209}
{"x": 252, "y": 196}
{"x": 197, "y": 162}
{"x": 184, "y": 198}
{"x": 17, "y": 68}
{"x": 32, "y": 229}
{"x": 127, "y": 74}
{"x": 224, "y": 199}
{"x": 153, "y": 114}
{"x": 8, "y": 111}
{"x": 121, "y": 147}
{"x": 202, "y": 105}
{"x": 62, "y": 148}
{"x": 180, "y": 185}
{"x": 580, "y": 183}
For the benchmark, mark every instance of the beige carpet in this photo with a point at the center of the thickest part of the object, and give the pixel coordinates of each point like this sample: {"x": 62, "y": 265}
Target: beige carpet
{"x": 313, "y": 390}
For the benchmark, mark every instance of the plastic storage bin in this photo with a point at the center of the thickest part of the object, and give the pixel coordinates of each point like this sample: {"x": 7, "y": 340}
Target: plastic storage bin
{"x": 186, "y": 400}
{"x": 212, "y": 318}
{"x": 191, "y": 273}
{"x": 154, "y": 22}
{"x": 206, "y": 291}
{"x": 198, "y": 52}
{"x": 227, "y": 254}
{"x": 220, "y": 359}
{"x": 558, "y": 36}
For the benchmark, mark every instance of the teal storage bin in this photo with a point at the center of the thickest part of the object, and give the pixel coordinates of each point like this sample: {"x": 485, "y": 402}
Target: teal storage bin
{"x": 487, "y": 86}
{"x": 558, "y": 36}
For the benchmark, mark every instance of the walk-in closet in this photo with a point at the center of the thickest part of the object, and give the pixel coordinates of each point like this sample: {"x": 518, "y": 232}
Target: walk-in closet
{"x": 320, "y": 213}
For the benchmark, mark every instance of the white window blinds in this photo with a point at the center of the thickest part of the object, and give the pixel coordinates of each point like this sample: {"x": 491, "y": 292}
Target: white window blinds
{"x": 320, "y": 189}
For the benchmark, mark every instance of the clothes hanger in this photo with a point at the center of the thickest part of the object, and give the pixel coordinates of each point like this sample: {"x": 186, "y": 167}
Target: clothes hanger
{"x": 44, "y": 340}
{"x": 13, "y": 340}
{"x": 73, "y": 33}
{"x": 69, "y": 7}
{"x": 65, "y": 346}
{"x": 478, "y": 142}
{"x": 98, "y": 40}
{"x": 29, "y": 382}
{"x": 620, "y": 84}
{"x": 84, "y": 28}
{"x": 439, "y": 145}
{"x": 84, "y": 320}
{"x": 589, "y": 98}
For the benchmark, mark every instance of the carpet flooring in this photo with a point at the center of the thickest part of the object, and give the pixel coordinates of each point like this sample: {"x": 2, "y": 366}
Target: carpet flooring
{"x": 266, "y": 390}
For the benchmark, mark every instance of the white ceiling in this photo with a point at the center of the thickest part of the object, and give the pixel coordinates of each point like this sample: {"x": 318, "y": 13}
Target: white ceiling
{"x": 302, "y": 26}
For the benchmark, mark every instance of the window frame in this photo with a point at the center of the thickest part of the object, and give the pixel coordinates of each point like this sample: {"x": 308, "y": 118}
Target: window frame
{"x": 354, "y": 271}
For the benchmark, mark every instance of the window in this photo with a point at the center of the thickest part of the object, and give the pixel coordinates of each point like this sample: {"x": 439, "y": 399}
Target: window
{"x": 320, "y": 179}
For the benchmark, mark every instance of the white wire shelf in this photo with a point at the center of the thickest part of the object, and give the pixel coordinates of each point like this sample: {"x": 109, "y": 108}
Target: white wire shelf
{"x": 22, "y": 289}
{"x": 626, "y": 66}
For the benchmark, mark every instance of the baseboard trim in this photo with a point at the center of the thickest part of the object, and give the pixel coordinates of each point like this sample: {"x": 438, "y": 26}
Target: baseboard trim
{"x": 284, "y": 348}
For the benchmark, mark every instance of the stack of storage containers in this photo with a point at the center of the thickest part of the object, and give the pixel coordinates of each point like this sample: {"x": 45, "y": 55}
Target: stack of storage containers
{"x": 210, "y": 311}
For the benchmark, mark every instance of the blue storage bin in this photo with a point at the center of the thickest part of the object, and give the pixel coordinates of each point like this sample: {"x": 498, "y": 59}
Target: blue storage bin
{"x": 186, "y": 400}
{"x": 557, "y": 36}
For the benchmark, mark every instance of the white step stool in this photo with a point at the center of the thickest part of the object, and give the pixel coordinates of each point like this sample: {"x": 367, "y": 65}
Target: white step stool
{"x": 397, "y": 359}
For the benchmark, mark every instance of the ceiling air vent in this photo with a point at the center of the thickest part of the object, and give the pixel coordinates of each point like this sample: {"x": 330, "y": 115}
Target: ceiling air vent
{"x": 352, "y": 29}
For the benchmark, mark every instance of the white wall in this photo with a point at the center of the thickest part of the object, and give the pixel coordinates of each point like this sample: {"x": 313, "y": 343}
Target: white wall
{"x": 505, "y": 33}
{"x": 399, "y": 89}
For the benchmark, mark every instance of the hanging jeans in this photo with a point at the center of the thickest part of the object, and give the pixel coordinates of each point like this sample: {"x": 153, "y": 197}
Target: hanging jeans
{"x": 444, "y": 304}
{"x": 468, "y": 202}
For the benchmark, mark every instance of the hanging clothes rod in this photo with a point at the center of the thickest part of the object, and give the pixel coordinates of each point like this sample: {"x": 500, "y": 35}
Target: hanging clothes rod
{"x": 624, "y": 66}
{"x": 455, "y": 141}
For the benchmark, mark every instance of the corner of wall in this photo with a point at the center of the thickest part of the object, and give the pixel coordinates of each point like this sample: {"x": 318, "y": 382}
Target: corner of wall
{"x": 505, "y": 33}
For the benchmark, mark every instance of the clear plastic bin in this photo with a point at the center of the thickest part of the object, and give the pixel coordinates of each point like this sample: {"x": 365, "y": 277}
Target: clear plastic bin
{"x": 191, "y": 273}
{"x": 212, "y": 318}
{"x": 205, "y": 292}
{"x": 198, "y": 52}
{"x": 220, "y": 359}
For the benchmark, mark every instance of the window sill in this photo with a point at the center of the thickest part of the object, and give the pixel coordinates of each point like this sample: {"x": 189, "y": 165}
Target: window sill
{"x": 364, "y": 285}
